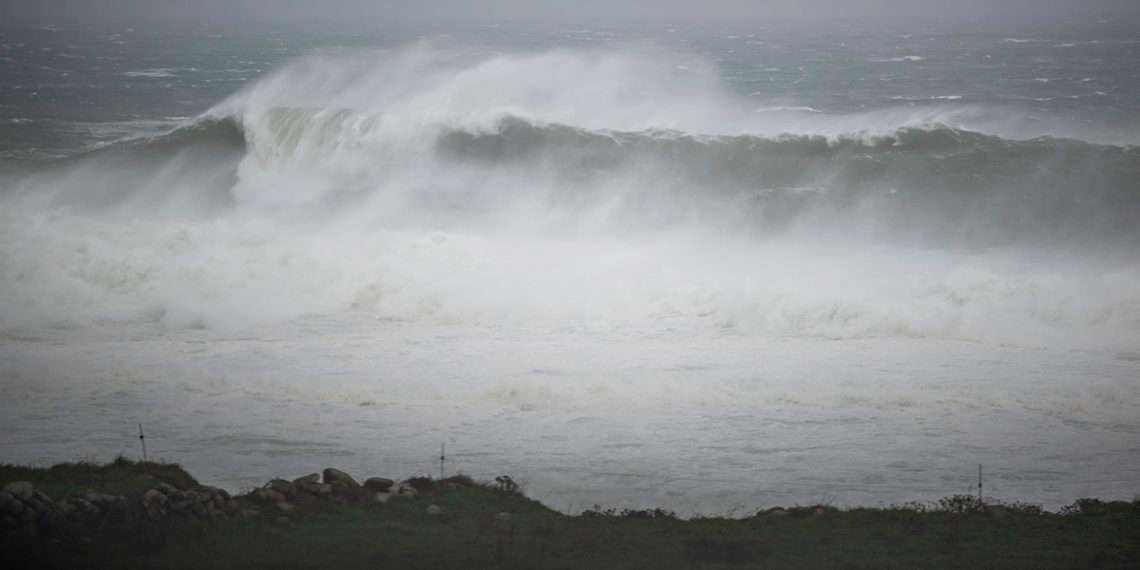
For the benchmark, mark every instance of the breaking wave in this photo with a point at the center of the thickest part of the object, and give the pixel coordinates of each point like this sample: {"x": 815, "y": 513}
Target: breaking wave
{"x": 576, "y": 186}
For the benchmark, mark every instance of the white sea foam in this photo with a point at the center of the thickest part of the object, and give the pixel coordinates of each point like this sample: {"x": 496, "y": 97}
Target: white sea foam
{"x": 380, "y": 251}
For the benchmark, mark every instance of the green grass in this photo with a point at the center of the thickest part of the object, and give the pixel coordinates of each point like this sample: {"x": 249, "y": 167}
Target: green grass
{"x": 400, "y": 534}
{"x": 119, "y": 477}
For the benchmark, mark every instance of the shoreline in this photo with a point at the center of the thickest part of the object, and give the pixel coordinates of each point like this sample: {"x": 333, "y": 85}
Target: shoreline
{"x": 140, "y": 514}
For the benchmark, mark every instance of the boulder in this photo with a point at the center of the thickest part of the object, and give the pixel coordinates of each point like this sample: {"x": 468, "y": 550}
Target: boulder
{"x": 434, "y": 510}
{"x": 270, "y": 496}
{"x": 286, "y": 507}
{"x": 336, "y": 476}
{"x": 378, "y": 484}
{"x": 405, "y": 490}
{"x": 10, "y": 504}
{"x": 20, "y": 489}
{"x": 282, "y": 486}
{"x": 381, "y": 498}
{"x": 503, "y": 517}
{"x": 84, "y": 506}
{"x": 168, "y": 489}
{"x": 310, "y": 479}
{"x": 154, "y": 503}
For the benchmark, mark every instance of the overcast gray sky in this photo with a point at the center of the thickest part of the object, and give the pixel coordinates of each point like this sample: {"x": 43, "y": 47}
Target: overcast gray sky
{"x": 379, "y": 13}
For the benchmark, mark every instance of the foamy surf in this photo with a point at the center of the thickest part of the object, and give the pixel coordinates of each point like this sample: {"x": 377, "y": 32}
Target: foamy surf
{"x": 593, "y": 254}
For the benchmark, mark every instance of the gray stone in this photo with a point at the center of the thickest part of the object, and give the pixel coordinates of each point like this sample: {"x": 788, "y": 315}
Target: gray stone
{"x": 282, "y": 486}
{"x": 406, "y": 490}
{"x": 381, "y": 498}
{"x": 273, "y": 496}
{"x": 20, "y": 489}
{"x": 154, "y": 503}
{"x": 336, "y": 476}
{"x": 503, "y": 517}
{"x": 100, "y": 498}
{"x": 10, "y": 504}
{"x": 286, "y": 507}
{"x": 168, "y": 489}
{"x": 310, "y": 479}
{"x": 378, "y": 484}
{"x": 68, "y": 508}
{"x": 87, "y": 507}
{"x": 38, "y": 504}
{"x": 434, "y": 510}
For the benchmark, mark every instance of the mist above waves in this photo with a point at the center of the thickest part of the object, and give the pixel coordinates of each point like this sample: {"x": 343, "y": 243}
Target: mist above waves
{"x": 596, "y": 188}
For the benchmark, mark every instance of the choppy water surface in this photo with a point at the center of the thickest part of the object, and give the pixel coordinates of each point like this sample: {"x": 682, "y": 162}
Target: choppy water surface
{"x": 699, "y": 269}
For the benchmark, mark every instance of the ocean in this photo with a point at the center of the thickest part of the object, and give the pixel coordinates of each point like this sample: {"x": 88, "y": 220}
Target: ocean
{"x": 704, "y": 269}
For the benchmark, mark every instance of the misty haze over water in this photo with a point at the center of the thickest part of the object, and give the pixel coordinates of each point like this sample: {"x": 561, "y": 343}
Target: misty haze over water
{"x": 703, "y": 259}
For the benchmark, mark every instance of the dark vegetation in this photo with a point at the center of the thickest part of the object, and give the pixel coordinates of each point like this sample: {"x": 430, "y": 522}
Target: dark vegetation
{"x": 471, "y": 531}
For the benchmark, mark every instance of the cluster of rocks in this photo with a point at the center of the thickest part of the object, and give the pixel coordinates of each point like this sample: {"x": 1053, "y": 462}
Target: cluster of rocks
{"x": 24, "y": 508}
{"x": 331, "y": 485}
{"x": 27, "y": 509}
{"x": 201, "y": 502}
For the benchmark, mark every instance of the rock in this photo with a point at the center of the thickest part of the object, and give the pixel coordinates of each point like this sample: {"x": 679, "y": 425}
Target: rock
{"x": 168, "y": 489}
{"x": 335, "y": 476}
{"x": 406, "y": 490}
{"x": 378, "y": 484}
{"x": 381, "y": 498}
{"x": 154, "y": 503}
{"x": 69, "y": 508}
{"x": 20, "y": 489}
{"x": 179, "y": 504}
{"x": 434, "y": 510}
{"x": 286, "y": 507}
{"x": 269, "y": 496}
{"x": 103, "y": 500}
{"x": 777, "y": 511}
{"x": 282, "y": 486}
{"x": 84, "y": 506}
{"x": 39, "y": 502}
{"x": 310, "y": 479}
{"x": 348, "y": 492}
{"x": 503, "y": 517}
{"x": 199, "y": 510}
{"x": 10, "y": 504}
{"x": 250, "y": 513}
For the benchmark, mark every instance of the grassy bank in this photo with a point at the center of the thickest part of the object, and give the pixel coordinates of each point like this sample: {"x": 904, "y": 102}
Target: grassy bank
{"x": 477, "y": 526}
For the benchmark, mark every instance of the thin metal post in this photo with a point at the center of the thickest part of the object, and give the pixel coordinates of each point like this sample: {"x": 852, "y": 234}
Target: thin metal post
{"x": 979, "y": 483}
{"x": 442, "y": 459}
{"x": 142, "y": 440}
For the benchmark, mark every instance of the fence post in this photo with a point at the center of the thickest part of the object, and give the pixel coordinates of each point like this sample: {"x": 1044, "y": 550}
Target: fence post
{"x": 142, "y": 441}
{"x": 979, "y": 484}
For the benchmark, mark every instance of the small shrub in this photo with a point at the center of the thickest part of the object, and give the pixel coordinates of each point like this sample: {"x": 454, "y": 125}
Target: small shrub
{"x": 422, "y": 484}
{"x": 959, "y": 504}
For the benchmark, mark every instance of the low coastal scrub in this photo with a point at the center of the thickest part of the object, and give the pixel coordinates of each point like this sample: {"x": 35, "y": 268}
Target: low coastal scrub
{"x": 129, "y": 514}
